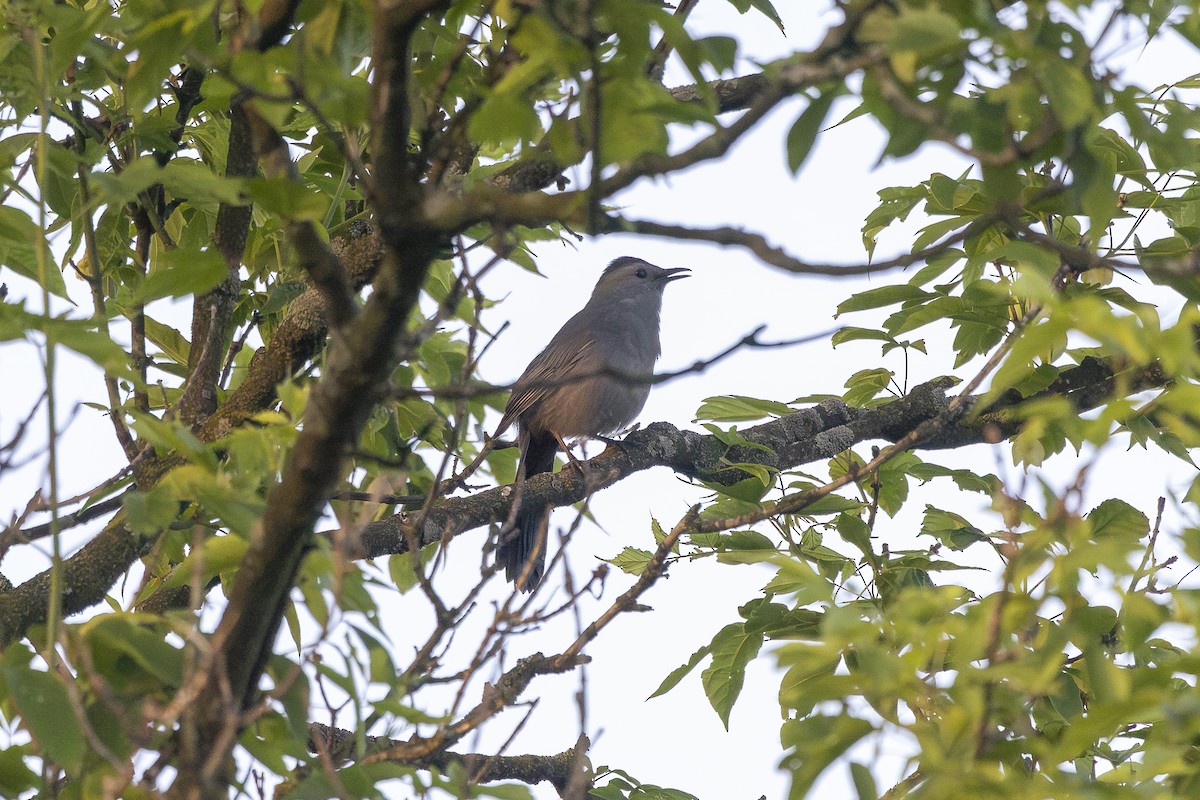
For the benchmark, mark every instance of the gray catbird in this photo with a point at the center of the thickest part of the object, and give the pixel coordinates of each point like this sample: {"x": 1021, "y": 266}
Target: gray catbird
{"x": 565, "y": 391}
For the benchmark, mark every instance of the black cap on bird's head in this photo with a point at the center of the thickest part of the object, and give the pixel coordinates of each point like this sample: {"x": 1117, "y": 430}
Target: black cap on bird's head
{"x": 628, "y": 274}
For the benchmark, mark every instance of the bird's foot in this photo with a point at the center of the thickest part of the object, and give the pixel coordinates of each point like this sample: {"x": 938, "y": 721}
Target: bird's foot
{"x": 572, "y": 461}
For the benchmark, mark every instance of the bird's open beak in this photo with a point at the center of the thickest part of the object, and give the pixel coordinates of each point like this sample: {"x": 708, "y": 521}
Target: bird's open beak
{"x": 675, "y": 274}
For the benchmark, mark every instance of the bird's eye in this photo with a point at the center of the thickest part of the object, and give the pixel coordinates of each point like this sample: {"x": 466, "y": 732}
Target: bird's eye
{"x": 641, "y": 273}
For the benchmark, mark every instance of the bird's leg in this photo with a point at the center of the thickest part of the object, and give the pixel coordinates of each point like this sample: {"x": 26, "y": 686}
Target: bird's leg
{"x": 570, "y": 456}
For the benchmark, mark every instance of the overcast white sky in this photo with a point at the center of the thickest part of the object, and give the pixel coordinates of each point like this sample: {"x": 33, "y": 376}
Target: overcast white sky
{"x": 677, "y": 740}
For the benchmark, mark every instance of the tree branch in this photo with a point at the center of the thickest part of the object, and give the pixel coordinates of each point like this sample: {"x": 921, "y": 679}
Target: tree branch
{"x": 835, "y": 60}
{"x": 298, "y": 337}
{"x": 13, "y": 536}
{"x": 87, "y": 574}
{"x": 313, "y": 255}
{"x": 358, "y": 366}
{"x": 557, "y": 769}
{"x": 496, "y": 697}
{"x": 777, "y": 257}
{"x": 790, "y": 441}
{"x": 212, "y": 311}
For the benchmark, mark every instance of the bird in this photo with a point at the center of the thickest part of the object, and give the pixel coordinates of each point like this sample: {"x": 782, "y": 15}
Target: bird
{"x": 584, "y": 383}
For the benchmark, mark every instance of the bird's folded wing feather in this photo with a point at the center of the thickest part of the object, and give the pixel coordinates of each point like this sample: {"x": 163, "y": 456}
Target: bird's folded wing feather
{"x": 550, "y": 370}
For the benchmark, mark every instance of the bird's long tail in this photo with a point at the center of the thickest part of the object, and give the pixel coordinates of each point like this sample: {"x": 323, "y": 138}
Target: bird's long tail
{"x": 522, "y": 550}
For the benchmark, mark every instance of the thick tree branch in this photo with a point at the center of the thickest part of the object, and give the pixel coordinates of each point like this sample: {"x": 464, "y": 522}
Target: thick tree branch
{"x": 803, "y": 437}
{"x": 557, "y": 769}
{"x": 731, "y": 94}
{"x": 86, "y": 576}
{"x": 356, "y": 369}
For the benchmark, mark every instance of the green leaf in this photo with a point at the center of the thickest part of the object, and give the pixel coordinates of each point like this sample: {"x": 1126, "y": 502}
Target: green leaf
{"x": 751, "y": 489}
{"x": 648, "y": 791}
{"x": 852, "y": 334}
{"x": 762, "y": 6}
{"x": 632, "y": 560}
{"x": 732, "y": 649}
{"x": 797, "y": 577}
{"x": 882, "y": 296}
{"x": 950, "y": 529}
{"x": 169, "y": 340}
{"x": 49, "y": 713}
{"x": 731, "y": 438}
{"x": 132, "y": 654}
{"x": 925, "y": 32}
{"x": 169, "y": 435}
{"x": 631, "y": 123}
{"x": 503, "y": 791}
{"x": 179, "y": 272}
{"x": 218, "y": 554}
{"x": 892, "y": 483}
{"x": 974, "y": 339}
{"x": 864, "y": 781}
{"x": 963, "y": 478}
{"x": 89, "y": 340}
{"x": 749, "y": 540}
{"x": 831, "y": 504}
{"x": 721, "y": 52}
{"x": 679, "y": 673}
{"x": 816, "y": 742}
{"x": 59, "y": 184}
{"x": 296, "y": 698}
{"x": 1041, "y": 341}
{"x": 911, "y": 317}
{"x": 15, "y": 777}
{"x": 400, "y": 567}
{"x": 196, "y": 181}
{"x": 504, "y": 119}
{"x": 290, "y": 200}
{"x": 1117, "y": 519}
{"x": 613, "y": 790}
{"x": 865, "y": 385}
{"x": 19, "y": 241}
{"x": 151, "y": 511}
{"x": 359, "y": 780}
{"x": 854, "y": 530}
{"x": 123, "y": 187}
{"x": 803, "y": 134}
{"x": 84, "y": 336}
{"x": 739, "y": 408}
{"x": 1069, "y": 91}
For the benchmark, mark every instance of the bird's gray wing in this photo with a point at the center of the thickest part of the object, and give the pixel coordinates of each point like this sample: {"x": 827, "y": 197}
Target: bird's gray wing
{"x": 549, "y": 371}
